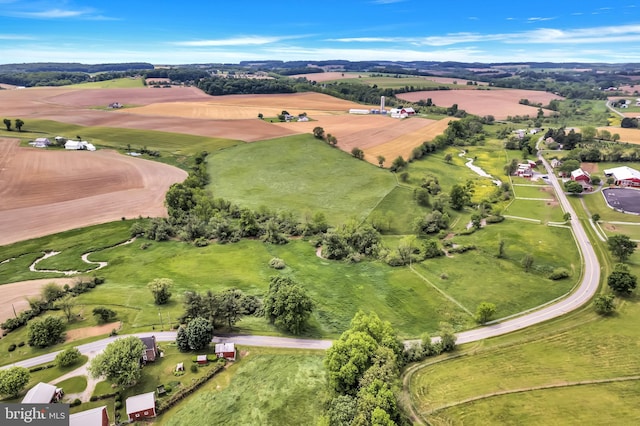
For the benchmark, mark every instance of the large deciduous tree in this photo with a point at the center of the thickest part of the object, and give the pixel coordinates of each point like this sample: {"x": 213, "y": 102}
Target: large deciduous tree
{"x": 120, "y": 361}
{"x": 459, "y": 196}
{"x": 573, "y": 187}
{"x": 161, "y": 290}
{"x": 287, "y": 305}
{"x": 19, "y": 124}
{"x": 621, "y": 246}
{"x": 621, "y": 280}
{"x": 7, "y": 123}
{"x": 13, "y": 380}
{"x": 47, "y": 331}
{"x": 195, "y": 336}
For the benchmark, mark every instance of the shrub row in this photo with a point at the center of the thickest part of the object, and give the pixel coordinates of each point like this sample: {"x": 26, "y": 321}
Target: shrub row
{"x": 188, "y": 390}
{"x": 41, "y": 367}
{"x": 462, "y": 248}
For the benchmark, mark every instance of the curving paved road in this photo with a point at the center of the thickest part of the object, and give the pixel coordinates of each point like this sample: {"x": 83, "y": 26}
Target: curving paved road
{"x": 586, "y": 289}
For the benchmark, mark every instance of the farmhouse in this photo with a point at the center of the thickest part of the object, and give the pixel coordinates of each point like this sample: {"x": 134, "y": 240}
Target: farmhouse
{"x": 580, "y": 175}
{"x": 226, "y": 351}
{"x": 42, "y": 393}
{"x": 93, "y": 417}
{"x": 141, "y": 406}
{"x": 555, "y": 163}
{"x": 150, "y": 349}
{"x": 624, "y": 176}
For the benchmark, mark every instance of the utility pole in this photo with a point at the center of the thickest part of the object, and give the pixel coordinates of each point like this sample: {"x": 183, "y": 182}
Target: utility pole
{"x": 161, "y": 325}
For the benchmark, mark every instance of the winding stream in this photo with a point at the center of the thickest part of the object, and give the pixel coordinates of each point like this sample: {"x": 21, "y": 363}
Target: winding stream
{"x": 84, "y": 257}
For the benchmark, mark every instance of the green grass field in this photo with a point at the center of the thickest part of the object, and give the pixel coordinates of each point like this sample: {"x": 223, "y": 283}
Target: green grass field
{"x": 579, "y": 346}
{"x": 632, "y": 229}
{"x": 545, "y": 211}
{"x": 299, "y": 174}
{"x": 392, "y": 81}
{"x": 267, "y": 387}
{"x": 537, "y": 191}
{"x": 118, "y": 83}
{"x": 479, "y": 276}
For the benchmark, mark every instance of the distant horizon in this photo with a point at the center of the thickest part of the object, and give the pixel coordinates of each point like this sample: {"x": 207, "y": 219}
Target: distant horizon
{"x": 358, "y": 30}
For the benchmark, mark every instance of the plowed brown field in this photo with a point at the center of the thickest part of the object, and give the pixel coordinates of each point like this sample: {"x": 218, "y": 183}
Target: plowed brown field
{"x": 497, "y": 102}
{"x": 45, "y": 191}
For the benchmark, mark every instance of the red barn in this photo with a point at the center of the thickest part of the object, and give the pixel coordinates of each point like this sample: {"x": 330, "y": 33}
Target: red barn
{"x": 93, "y": 417}
{"x": 226, "y": 351}
{"x": 141, "y": 406}
{"x": 579, "y": 175}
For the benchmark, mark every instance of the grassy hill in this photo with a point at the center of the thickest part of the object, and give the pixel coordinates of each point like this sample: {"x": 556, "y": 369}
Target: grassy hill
{"x": 299, "y": 174}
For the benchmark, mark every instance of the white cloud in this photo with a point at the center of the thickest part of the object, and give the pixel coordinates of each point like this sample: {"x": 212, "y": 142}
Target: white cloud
{"x": 387, "y": 1}
{"x": 539, "y": 19}
{"x": 15, "y": 37}
{"x": 237, "y": 41}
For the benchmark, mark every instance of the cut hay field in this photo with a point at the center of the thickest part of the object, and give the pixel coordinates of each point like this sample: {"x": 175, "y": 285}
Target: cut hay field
{"x": 497, "y": 102}
{"x": 626, "y": 135}
{"x": 249, "y": 106}
{"x": 299, "y": 174}
{"x": 403, "y": 145}
{"x": 48, "y": 191}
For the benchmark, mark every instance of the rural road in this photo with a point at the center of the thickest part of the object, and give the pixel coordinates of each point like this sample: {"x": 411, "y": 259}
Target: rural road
{"x": 585, "y": 290}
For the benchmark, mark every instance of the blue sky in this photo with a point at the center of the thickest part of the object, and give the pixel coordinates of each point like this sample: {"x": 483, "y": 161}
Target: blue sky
{"x": 202, "y": 31}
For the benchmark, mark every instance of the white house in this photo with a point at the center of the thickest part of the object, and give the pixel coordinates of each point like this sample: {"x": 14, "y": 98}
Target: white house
{"x": 524, "y": 170}
{"x": 401, "y": 112}
{"x": 41, "y": 142}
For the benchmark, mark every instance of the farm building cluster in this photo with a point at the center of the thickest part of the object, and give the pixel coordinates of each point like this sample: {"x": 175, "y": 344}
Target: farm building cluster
{"x": 400, "y": 112}
{"x": 624, "y": 176}
{"x": 70, "y": 144}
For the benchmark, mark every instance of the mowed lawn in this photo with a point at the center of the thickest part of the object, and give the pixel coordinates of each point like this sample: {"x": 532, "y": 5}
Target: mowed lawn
{"x": 299, "y": 174}
{"x": 265, "y": 387}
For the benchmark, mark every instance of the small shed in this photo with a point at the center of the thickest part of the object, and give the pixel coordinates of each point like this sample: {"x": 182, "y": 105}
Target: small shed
{"x": 226, "y": 351}
{"x": 141, "y": 406}
{"x": 180, "y": 366}
{"x": 201, "y": 359}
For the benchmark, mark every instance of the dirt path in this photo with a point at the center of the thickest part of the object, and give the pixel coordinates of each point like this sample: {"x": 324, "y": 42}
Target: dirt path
{"x": 85, "y": 395}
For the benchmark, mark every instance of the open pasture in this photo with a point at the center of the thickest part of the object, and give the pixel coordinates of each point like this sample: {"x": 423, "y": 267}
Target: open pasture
{"x": 497, "y": 102}
{"x": 299, "y": 174}
{"x": 48, "y": 191}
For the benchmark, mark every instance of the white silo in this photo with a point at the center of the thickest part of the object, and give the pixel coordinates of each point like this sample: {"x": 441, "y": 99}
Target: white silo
{"x": 381, "y": 103}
